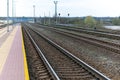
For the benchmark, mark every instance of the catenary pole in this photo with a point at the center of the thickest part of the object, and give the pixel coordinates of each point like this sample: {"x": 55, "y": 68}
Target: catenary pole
{"x": 55, "y": 2}
{"x": 7, "y": 15}
{"x": 34, "y": 12}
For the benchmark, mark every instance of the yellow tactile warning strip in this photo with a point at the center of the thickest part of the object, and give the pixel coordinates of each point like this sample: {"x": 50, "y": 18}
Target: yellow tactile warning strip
{"x": 5, "y": 48}
{"x": 25, "y": 60}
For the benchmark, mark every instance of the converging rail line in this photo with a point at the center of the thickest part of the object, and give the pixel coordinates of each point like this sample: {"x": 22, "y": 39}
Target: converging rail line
{"x": 65, "y": 65}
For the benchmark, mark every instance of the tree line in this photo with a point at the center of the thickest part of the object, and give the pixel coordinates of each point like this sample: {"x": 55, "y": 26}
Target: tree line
{"x": 87, "y": 21}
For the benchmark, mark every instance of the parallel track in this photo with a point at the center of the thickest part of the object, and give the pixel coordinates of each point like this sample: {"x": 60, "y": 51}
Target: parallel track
{"x": 88, "y": 29}
{"x": 39, "y": 68}
{"x": 92, "y": 31}
{"x": 101, "y": 43}
{"x": 66, "y": 65}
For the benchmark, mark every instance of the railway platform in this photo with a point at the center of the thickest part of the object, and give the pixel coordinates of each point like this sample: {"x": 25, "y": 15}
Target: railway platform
{"x": 13, "y": 63}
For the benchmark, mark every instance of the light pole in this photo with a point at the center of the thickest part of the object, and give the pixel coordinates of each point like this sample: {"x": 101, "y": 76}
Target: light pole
{"x": 7, "y": 15}
{"x": 44, "y": 19}
{"x": 49, "y": 18}
{"x": 12, "y": 13}
{"x": 55, "y": 2}
{"x": 68, "y": 17}
{"x": 59, "y": 17}
{"x": 34, "y": 12}
{"x": 12, "y": 9}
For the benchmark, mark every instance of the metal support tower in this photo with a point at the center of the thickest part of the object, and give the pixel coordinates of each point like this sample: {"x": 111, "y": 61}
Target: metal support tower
{"x": 12, "y": 14}
{"x": 49, "y": 18}
{"x": 59, "y": 17}
{"x": 55, "y": 2}
{"x": 12, "y": 9}
{"x": 34, "y": 12}
{"x": 7, "y": 15}
{"x": 68, "y": 18}
{"x": 44, "y": 19}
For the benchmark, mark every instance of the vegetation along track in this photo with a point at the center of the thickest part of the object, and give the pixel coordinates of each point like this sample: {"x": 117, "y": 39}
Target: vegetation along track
{"x": 66, "y": 65}
{"x": 91, "y": 40}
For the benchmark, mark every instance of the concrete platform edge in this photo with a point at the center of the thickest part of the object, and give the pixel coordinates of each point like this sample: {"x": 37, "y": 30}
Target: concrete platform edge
{"x": 25, "y": 59}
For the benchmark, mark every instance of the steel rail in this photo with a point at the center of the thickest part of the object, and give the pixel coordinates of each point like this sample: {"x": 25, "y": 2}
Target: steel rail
{"x": 88, "y": 29}
{"x": 80, "y": 28}
{"x": 102, "y": 41}
{"x": 108, "y": 35}
{"x": 93, "y": 71}
{"x": 93, "y": 32}
{"x": 107, "y": 45}
{"x": 49, "y": 67}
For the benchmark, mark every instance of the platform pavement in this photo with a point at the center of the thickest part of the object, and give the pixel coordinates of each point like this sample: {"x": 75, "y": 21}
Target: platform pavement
{"x": 3, "y": 31}
{"x": 4, "y": 34}
{"x": 13, "y": 64}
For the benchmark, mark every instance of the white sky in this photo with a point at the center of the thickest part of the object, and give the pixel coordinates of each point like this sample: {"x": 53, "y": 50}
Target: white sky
{"x": 74, "y": 7}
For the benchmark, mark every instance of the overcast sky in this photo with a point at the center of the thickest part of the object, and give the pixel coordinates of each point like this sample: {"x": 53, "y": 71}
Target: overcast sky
{"x": 76, "y": 8}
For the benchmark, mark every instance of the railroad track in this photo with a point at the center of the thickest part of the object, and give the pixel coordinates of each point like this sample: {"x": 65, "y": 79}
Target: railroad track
{"x": 94, "y": 41}
{"x": 93, "y": 32}
{"x": 36, "y": 64}
{"x": 87, "y": 29}
{"x": 65, "y": 65}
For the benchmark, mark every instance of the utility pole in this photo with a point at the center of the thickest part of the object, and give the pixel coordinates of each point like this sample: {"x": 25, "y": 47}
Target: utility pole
{"x": 44, "y": 19}
{"x": 68, "y": 17}
{"x": 12, "y": 9}
{"x": 12, "y": 13}
{"x": 34, "y": 12}
{"x": 55, "y": 2}
{"x": 59, "y": 17}
{"x": 40, "y": 19}
{"x": 49, "y": 18}
{"x": 7, "y": 15}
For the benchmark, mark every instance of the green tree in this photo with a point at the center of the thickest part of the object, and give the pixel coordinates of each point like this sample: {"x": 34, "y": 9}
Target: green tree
{"x": 116, "y": 21}
{"x": 90, "y": 21}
